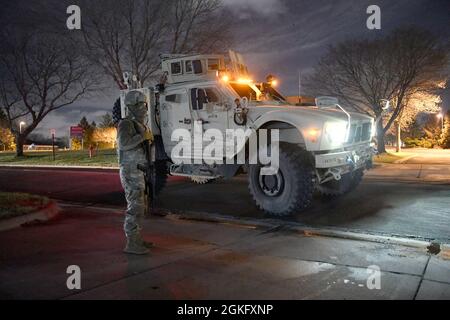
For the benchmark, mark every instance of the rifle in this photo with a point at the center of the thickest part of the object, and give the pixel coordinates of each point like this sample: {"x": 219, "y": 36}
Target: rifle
{"x": 149, "y": 171}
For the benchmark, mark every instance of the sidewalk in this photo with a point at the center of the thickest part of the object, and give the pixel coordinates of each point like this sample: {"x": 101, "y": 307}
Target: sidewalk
{"x": 200, "y": 260}
{"x": 416, "y": 173}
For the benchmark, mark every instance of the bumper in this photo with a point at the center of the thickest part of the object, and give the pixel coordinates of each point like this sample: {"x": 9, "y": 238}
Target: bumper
{"x": 357, "y": 156}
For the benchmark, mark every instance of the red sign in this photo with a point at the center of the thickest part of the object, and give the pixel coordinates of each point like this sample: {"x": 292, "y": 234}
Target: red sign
{"x": 76, "y": 132}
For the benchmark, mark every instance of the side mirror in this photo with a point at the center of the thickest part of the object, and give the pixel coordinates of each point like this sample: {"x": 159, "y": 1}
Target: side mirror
{"x": 385, "y": 105}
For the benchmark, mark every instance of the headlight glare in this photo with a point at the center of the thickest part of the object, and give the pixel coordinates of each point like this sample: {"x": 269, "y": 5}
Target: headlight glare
{"x": 336, "y": 132}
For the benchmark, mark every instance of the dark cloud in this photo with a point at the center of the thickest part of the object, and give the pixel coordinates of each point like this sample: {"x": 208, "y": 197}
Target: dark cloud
{"x": 299, "y": 33}
{"x": 285, "y": 36}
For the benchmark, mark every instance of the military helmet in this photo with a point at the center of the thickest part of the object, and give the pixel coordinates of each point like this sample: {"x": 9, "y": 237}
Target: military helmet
{"x": 135, "y": 100}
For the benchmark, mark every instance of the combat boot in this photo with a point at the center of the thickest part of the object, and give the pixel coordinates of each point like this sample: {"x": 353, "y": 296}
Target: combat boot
{"x": 146, "y": 244}
{"x": 135, "y": 245}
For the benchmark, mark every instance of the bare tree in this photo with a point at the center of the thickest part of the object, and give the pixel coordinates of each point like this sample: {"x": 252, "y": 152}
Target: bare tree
{"x": 363, "y": 72}
{"x": 106, "y": 121}
{"x": 40, "y": 73}
{"x": 197, "y": 26}
{"x": 121, "y": 34}
{"x": 129, "y": 35}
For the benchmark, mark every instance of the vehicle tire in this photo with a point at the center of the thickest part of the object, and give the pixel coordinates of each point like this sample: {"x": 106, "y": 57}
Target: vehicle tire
{"x": 347, "y": 183}
{"x": 290, "y": 190}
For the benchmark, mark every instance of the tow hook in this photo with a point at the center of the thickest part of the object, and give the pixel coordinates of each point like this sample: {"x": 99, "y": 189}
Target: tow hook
{"x": 336, "y": 173}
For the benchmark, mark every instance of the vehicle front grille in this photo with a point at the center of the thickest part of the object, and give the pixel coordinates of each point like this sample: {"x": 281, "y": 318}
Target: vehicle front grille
{"x": 359, "y": 132}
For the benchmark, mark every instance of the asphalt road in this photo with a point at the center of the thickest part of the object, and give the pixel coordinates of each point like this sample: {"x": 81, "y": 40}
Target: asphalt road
{"x": 385, "y": 207}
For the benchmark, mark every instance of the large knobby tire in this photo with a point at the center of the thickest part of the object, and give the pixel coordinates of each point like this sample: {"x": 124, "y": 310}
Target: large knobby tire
{"x": 289, "y": 191}
{"x": 348, "y": 182}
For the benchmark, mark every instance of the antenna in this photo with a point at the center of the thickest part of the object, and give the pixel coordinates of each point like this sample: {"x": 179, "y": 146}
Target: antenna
{"x": 126, "y": 79}
{"x": 299, "y": 86}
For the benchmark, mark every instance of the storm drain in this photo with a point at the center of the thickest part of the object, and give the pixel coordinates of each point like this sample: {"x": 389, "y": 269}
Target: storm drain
{"x": 434, "y": 248}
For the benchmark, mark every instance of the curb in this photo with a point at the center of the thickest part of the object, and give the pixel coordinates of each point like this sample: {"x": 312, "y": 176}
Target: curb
{"x": 274, "y": 224}
{"x": 382, "y": 179}
{"x": 45, "y": 214}
{"x": 367, "y": 177}
{"x": 305, "y": 230}
{"x": 224, "y": 219}
{"x": 403, "y": 160}
{"x": 49, "y": 167}
{"x": 350, "y": 235}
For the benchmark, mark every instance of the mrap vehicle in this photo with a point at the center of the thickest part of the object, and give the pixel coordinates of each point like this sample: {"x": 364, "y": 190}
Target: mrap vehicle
{"x": 322, "y": 148}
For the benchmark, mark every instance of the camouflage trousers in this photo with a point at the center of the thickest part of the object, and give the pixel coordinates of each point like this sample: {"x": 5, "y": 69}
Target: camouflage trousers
{"x": 133, "y": 183}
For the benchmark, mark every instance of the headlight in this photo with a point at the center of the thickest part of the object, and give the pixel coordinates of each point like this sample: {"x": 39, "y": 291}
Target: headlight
{"x": 336, "y": 132}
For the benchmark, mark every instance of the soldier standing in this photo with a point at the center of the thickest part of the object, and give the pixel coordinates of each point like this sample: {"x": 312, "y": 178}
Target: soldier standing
{"x": 132, "y": 133}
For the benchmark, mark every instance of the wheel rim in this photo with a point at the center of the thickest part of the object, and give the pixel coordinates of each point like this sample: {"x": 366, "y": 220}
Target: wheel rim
{"x": 199, "y": 180}
{"x": 271, "y": 185}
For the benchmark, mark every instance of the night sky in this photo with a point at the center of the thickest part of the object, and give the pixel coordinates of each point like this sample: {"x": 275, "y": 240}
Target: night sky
{"x": 284, "y": 37}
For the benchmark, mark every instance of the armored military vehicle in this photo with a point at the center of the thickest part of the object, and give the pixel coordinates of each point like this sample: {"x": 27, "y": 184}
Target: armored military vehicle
{"x": 323, "y": 148}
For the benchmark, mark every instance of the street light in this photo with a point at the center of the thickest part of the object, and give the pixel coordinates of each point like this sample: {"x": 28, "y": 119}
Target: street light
{"x": 20, "y": 127}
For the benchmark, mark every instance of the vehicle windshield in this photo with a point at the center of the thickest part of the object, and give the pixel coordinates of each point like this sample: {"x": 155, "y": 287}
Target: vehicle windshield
{"x": 260, "y": 95}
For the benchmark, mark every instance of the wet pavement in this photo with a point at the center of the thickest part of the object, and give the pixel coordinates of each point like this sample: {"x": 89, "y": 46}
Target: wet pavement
{"x": 199, "y": 260}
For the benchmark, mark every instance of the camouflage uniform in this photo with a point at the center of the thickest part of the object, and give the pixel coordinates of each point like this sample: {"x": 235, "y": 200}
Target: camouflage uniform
{"x": 131, "y": 134}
